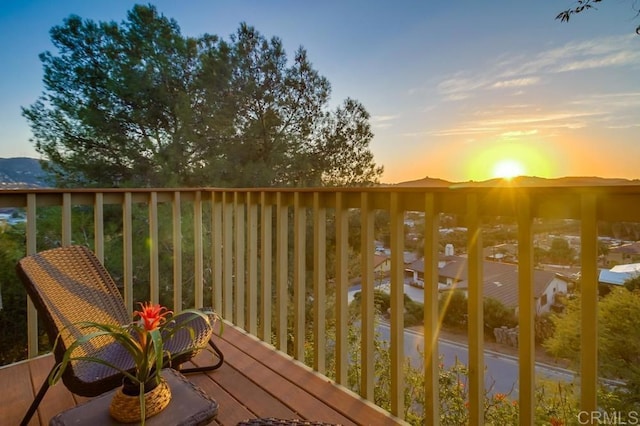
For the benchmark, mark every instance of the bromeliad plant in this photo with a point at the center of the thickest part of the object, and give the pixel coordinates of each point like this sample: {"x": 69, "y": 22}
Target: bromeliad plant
{"x": 142, "y": 339}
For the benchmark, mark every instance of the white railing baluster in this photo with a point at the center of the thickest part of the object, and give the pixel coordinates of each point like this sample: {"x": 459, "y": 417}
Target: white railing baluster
{"x": 127, "y": 251}
{"x": 198, "y": 252}
{"x": 526, "y": 311}
{"x": 342, "y": 278}
{"x": 589, "y": 304}
{"x": 32, "y": 314}
{"x": 367, "y": 326}
{"x": 227, "y": 256}
{"x": 475, "y": 313}
{"x": 397, "y": 304}
{"x": 299, "y": 276}
{"x": 431, "y": 316}
{"x": 98, "y": 226}
{"x": 154, "y": 263}
{"x": 239, "y": 256}
{"x": 66, "y": 219}
{"x": 252, "y": 263}
{"x": 266, "y": 267}
{"x": 319, "y": 282}
{"x": 176, "y": 209}
{"x": 282, "y": 271}
{"x": 216, "y": 252}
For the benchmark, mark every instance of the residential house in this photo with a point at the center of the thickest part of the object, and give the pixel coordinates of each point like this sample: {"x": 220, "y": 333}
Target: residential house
{"x": 381, "y": 265}
{"x": 502, "y": 253}
{"x": 619, "y": 274}
{"x": 500, "y": 281}
{"x": 624, "y": 253}
{"x": 414, "y": 271}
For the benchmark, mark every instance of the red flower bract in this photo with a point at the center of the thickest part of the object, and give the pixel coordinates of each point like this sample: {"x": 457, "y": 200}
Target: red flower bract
{"x": 152, "y": 315}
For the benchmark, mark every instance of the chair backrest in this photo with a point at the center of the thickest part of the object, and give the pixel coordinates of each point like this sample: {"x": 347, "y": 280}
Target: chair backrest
{"x": 69, "y": 285}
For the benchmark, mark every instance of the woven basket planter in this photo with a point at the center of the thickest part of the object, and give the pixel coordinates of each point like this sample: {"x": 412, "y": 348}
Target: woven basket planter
{"x": 126, "y": 409}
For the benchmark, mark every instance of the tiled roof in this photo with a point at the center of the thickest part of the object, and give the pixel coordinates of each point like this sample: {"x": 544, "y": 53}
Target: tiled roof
{"x": 619, "y": 274}
{"x": 379, "y": 259}
{"x": 418, "y": 265}
{"x": 500, "y": 279}
{"x": 630, "y": 248}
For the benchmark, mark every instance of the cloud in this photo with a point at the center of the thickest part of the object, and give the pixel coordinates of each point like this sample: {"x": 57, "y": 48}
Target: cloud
{"x": 575, "y": 56}
{"x": 383, "y": 118}
{"x": 617, "y": 110}
{"x": 519, "y": 133}
{"x": 542, "y": 118}
{"x": 614, "y": 59}
{"x": 610, "y": 100}
{"x": 383, "y": 121}
{"x": 459, "y": 87}
{"x": 526, "y": 125}
{"x": 415, "y": 134}
{"x": 464, "y": 130}
{"x": 457, "y": 97}
{"x": 487, "y": 111}
{"x": 623, "y": 126}
{"x": 523, "y": 70}
{"x": 516, "y": 82}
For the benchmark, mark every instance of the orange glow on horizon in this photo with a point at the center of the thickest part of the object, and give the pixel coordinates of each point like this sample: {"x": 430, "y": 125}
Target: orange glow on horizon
{"x": 480, "y": 160}
{"x": 508, "y": 160}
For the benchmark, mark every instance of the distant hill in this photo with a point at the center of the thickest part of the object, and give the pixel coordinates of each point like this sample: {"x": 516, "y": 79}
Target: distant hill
{"x": 523, "y": 181}
{"x": 21, "y": 172}
{"x": 426, "y": 182}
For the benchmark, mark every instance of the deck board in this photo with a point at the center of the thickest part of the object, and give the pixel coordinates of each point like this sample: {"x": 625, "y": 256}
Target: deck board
{"x": 255, "y": 381}
{"x": 17, "y": 391}
{"x": 288, "y": 394}
{"x": 58, "y": 398}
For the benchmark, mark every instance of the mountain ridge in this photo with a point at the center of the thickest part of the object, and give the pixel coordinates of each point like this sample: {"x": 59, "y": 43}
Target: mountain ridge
{"x": 519, "y": 181}
{"x": 26, "y": 172}
{"x": 21, "y": 172}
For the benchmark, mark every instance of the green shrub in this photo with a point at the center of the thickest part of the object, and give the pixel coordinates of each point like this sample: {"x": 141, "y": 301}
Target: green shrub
{"x": 452, "y": 307}
{"x": 414, "y": 312}
{"x": 544, "y": 327}
{"x": 382, "y": 301}
{"x": 497, "y": 315}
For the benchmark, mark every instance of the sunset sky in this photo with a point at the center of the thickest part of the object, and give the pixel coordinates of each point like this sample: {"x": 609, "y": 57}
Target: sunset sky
{"x": 456, "y": 90}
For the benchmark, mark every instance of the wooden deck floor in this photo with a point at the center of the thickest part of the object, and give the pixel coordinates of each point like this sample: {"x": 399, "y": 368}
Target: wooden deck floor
{"x": 255, "y": 381}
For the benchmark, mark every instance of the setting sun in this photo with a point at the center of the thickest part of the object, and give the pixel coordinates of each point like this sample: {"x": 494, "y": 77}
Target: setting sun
{"x": 508, "y": 169}
{"x": 507, "y": 160}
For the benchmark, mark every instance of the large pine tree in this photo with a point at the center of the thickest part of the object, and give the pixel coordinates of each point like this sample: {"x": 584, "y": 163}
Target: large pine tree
{"x": 137, "y": 104}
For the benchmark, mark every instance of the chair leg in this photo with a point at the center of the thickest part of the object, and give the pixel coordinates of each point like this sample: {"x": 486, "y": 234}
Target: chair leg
{"x": 36, "y": 402}
{"x": 217, "y": 365}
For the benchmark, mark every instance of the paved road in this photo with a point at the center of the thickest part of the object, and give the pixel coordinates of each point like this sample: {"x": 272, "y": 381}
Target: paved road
{"x": 502, "y": 370}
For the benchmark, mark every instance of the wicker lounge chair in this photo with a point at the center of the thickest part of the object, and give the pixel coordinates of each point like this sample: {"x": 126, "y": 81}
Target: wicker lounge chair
{"x": 68, "y": 285}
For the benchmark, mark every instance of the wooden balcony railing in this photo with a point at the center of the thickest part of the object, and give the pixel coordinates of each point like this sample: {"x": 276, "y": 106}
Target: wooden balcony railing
{"x": 260, "y": 256}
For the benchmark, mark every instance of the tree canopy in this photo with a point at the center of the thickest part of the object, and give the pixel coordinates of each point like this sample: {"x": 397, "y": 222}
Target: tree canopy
{"x": 583, "y": 5}
{"x": 140, "y": 104}
{"x": 618, "y": 336}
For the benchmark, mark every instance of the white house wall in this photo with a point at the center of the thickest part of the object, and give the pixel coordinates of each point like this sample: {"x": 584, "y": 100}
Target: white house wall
{"x": 556, "y": 286}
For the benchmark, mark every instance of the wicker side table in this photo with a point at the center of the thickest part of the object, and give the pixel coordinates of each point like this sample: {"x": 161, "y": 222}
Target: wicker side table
{"x": 189, "y": 406}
